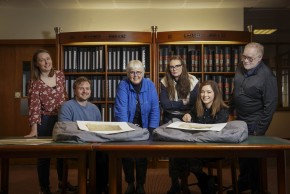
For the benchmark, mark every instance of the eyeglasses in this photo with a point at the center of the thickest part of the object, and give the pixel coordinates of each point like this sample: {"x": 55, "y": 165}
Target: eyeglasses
{"x": 250, "y": 59}
{"x": 175, "y": 67}
{"x": 133, "y": 73}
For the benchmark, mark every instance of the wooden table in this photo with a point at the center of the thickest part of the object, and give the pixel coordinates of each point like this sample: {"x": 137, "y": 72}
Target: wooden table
{"x": 48, "y": 150}
{"x": 254, "y": 147}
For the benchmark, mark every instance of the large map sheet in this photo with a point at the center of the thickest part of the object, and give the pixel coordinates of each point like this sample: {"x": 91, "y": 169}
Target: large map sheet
{"x": 196, "y": 127}
{"x": 104, "y": 127}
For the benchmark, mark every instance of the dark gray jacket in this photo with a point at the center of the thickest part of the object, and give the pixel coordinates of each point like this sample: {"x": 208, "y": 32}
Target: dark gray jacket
{"x": 255, "y": 98}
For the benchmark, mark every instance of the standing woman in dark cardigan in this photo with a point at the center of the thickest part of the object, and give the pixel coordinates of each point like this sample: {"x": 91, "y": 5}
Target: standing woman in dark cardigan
{"x": 46, "y": 94}
{"x": 178, "y": 95}
{"x": 178, "y": 90}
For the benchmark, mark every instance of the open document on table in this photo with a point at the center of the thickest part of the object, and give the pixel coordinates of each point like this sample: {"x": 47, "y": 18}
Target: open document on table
{"x": 104, "y": 127}
{"x": 196, "y": 127}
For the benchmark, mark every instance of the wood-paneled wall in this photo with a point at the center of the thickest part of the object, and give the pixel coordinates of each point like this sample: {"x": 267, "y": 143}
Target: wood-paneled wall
{"x": 12, "y": 55}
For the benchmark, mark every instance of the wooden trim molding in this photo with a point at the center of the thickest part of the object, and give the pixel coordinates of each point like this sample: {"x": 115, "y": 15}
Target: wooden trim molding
{"x": 27, "y": 41}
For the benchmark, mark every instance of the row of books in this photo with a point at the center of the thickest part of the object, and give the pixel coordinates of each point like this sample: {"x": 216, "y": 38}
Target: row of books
{"x": 83, "y": 59}
{"x": 225, "y": 84}
{"x": 215, "y": 58}
{"x": 113, "y": 82}
{"x": 119, "y": 57}
{"x": 92, "y": 59}
{"x": 222, "y": 58}
{"x": 107, "y": 113}
{"x": 190, "y": 57}
{"x": 99, "y": 91}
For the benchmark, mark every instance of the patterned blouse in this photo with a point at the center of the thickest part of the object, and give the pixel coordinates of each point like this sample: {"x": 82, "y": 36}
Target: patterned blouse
{"x": 45, "y": 100}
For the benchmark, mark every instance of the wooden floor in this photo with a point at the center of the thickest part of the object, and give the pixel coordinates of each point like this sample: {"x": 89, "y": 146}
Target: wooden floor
{"x": 23, "y": 179}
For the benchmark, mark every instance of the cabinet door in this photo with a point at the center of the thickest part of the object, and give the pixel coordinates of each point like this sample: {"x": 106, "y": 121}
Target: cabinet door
{"x": 15, "y": 61}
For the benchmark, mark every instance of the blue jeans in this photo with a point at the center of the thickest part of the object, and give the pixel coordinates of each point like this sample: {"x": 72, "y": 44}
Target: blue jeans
{"x": 43, "y": 164}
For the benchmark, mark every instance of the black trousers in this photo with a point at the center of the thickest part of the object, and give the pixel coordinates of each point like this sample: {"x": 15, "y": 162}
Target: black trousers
{"x": 249, "y": 177}
{"x": 101, "y": 172}
{"x": 141, "y": 169}
{"x": 43, "y": 164}
{"x": 178, "y": 167}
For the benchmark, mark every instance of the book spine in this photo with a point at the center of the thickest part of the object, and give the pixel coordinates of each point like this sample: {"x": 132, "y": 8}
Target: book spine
{"x": 210, "y": 60}
{"x": 205, "y": 59}
{"x": 101, "y": 57}
{"x": 97, "y": 59}
{"x": 118, "y": 59}
{"x": 196, "y": 61}
{"x": 161, "y": 59}
{"x": 227, "y": 59}
{"x": 236, "y": 59}
{"x": 222, "y": 60}
{"x": 190, "y": 64}
{"x": 166, "y": 58}
{"x": 114, "y": 60}
{"x": 65, "y": 59}
{"x": 217, "y": 59}
{"x": 227, "y": 88}
{"x": 109, "y": 67}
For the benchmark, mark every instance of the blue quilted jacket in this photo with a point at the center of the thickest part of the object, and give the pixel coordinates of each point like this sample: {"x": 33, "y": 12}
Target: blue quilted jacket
{"x": 125, "y": 103}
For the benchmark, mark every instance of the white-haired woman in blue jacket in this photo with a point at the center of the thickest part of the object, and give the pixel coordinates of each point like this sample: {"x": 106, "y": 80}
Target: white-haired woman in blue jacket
{"x": 137, "y": 102}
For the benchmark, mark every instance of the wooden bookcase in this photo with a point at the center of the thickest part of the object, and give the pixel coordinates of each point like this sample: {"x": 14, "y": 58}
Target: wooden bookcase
{"x": 109, "y": 52}
{"x": 102, "y": 57}
{"x": 208, "y": 54}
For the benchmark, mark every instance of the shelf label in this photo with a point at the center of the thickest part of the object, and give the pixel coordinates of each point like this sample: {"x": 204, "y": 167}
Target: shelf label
{"x": 207, "y": 35}
{"x": 105, "y": 36}
{"x": 203, "y": 35}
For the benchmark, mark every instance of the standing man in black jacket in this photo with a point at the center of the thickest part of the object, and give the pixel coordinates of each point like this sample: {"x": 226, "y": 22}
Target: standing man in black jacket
{"x": 254, "y": 99}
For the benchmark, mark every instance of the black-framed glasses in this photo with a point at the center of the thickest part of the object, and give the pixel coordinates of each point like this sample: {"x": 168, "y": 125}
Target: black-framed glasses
{"x": 175, "y": 67}
{"x": 138, "y": 73}
{"x": 250, "y": 59}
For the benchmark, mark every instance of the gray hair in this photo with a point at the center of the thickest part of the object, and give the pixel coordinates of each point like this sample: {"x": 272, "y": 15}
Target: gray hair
{"x": 133, "y": 65}
{"x": 259, "y": 48}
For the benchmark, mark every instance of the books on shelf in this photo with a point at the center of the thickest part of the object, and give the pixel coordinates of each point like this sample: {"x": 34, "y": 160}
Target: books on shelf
{"x": 190, "y": 55}
{"x": 83, "y": 59}
{"x": 225, "y": 84}
{"x": 225, "y": 58}
{"x": 92, "y": 58}
{"x": 194, "y": 63}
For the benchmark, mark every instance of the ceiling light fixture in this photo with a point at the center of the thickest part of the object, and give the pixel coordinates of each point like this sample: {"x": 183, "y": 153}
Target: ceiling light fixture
{"x": 264, "y": 31}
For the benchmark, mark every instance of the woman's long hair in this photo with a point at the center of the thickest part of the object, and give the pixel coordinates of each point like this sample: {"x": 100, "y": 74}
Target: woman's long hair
{"x": 35, "y": 69}
{"x": 183, "y": 83}
{"x": 218, "y": 102}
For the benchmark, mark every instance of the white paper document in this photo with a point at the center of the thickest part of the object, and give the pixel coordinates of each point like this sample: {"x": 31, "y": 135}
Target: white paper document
{"x": 104, "y": 127}
{"x": 25, "y": 141}
{"x": 196, "y": 127}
